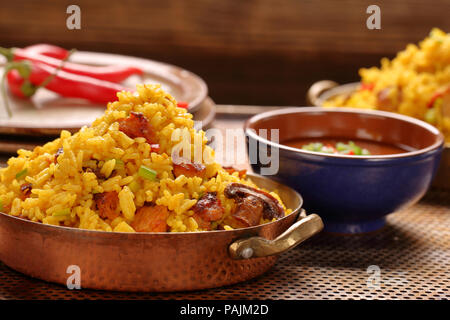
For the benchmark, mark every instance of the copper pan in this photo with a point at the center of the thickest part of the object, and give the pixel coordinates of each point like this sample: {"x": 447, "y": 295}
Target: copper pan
{"x": 154, "y": 261}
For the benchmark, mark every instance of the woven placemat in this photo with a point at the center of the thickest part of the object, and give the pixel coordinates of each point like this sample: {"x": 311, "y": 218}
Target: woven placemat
{"x": 407, "y": 259}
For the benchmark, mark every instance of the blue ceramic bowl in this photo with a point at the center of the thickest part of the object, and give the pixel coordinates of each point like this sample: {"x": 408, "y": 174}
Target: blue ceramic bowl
{"x": 352, "y": 194}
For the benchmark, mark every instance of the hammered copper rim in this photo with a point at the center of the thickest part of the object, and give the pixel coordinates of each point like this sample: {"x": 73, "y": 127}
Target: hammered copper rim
{"x": 275, "y": 185}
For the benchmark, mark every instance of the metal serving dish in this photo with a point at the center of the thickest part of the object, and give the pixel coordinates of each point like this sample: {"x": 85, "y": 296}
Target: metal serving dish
{"x": 323, "y": 90}
{"x": 155, "y": 261}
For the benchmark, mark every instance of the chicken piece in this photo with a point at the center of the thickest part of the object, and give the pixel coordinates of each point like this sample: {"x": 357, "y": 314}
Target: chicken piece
{"x": 151, "y": 219}
{"x": 252, "y": 204}
{"x": 26, "y": 190}
{"x": 137, "y": 125}
{"x": 248, "y": 213}
{"x": 208, "y": 209}
{"x": 107, "y": 203}
{"x": 189, "y": 170}
{"x": 232, "y": 170}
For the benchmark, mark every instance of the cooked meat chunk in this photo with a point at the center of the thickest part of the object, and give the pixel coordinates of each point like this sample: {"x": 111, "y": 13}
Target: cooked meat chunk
{"x": 26, "y": 189}
{"x": 248, "y": 213}
{"x": 151, "y": 219}
{"x": 137, "y": 125}
{"x": 207, "y": 209}
{"x": 232, "y": 170}
{"x": 252, "y": 204}
{"x": 107, "y": 203}
{"x": 189, "y": 170}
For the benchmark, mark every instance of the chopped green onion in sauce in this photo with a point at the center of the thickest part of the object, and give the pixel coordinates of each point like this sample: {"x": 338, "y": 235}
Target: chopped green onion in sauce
{"x": 349, "y": 148}
{"x": 147, "y": 173}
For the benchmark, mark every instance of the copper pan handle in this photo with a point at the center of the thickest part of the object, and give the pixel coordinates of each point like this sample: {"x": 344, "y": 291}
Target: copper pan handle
{"x": 319, "y": 87}
{"x": 255, "y": 247}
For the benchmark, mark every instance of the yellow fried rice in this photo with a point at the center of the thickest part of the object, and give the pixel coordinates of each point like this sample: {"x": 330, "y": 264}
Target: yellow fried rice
{"x": 63, "y": 192}
{"x": 410, "y": 80}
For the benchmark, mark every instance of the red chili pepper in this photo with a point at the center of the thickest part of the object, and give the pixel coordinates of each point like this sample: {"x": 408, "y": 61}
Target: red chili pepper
{"x": 351, "y": 153}
{"x": 434, "y": 98}
{"x": 367, "y": 86}
{"x": 48, "y": 50}
{"x": 436, "y": 95}
{"x": 15, "y": 82}
{"x": 331, "y": 147}
{"x": 155, "y": 147}
{"x": 108, "y": 73}
{"x": 73, "y": 85}
{"x": 19, "y": 86}
{"x": 182, "y": 104}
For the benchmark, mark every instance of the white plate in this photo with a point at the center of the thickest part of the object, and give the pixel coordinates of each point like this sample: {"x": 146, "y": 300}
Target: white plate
{"x": 49, "y": 113}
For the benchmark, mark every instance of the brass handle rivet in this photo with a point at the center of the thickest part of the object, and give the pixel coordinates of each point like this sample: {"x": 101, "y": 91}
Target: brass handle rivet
{"x": 247, "y": 253}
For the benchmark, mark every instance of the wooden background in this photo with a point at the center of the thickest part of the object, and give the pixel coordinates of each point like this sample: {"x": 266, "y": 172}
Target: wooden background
{"x": 249, "y": 51}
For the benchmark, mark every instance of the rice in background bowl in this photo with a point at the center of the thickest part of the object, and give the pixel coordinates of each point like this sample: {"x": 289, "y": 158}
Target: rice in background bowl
{"x": 415, "y": 83}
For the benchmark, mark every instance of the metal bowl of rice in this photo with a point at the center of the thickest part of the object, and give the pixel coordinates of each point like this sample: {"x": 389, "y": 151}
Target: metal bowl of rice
{"x": 127, "y": 204}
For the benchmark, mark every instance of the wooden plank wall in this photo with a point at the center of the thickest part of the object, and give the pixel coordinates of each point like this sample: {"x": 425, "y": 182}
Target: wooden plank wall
{"x": 249, "y": 51}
